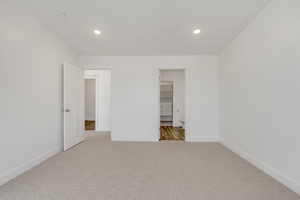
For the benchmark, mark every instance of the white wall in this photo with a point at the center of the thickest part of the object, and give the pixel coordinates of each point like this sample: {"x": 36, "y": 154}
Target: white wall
{"x": 30, "y": 77}
{"x": 103, "y": 100}
{"x": 135, "y": 94}
{"x": 178, "y": 79}
{"x": 90, "y": 99}
{"x": 260, "y": 92}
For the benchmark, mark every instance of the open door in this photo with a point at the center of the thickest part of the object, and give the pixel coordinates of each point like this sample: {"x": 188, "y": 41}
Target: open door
{"x": 73, "y": 100}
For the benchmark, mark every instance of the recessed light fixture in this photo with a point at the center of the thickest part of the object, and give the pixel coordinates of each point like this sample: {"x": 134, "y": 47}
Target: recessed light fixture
{"x": 97, "y": 32}
{"x": 196, "y": 31}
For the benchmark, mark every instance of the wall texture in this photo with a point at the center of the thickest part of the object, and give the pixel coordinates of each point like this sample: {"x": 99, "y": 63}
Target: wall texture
{"x": 30, "y": 77}
{"x": 260, "y": 95}
{"x": 135, "y": 94}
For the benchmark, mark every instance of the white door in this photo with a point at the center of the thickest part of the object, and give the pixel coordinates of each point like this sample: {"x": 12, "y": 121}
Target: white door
{"x": 73, "y": 98}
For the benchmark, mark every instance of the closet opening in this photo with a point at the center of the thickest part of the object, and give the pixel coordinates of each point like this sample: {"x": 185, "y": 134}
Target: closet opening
{"x": 172, "y": 104}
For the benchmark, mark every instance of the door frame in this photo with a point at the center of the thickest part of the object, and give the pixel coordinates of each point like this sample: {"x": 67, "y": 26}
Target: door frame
{"x": 94, "y": 77}
{"x": 96, "y": 93}
{"x": 185, "y": 74}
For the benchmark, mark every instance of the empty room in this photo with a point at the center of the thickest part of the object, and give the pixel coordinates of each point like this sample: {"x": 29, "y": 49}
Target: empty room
{"x": 150, "y": 100}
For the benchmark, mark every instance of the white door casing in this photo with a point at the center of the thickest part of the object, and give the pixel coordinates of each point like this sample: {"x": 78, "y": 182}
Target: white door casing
{"x": 103, "y": 99}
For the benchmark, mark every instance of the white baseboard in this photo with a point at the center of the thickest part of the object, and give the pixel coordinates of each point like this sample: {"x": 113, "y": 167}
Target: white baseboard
{"x": 12, "y": 173}
{"x": 97, "y": 132}
{"x": 287, "y": 181}
{"x": 129, "y": 139}
{"x": 202, "y": 139}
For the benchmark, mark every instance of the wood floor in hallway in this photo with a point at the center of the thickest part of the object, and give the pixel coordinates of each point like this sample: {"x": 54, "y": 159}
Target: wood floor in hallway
{"x": 90, "y": 125}
{"x": 171, "y": 133}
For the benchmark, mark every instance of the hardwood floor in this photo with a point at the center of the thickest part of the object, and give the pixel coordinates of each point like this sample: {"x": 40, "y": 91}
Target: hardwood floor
{"x": 171, "y": 133}
{"x": 90, "y": 125}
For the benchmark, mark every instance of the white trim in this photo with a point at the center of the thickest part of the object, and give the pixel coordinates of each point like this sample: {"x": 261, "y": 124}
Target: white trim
{"x": 287, "y": 181}
{"x": 99, "y": 82}
{"x": 92, "y": 132}
{"x": 89, "y": 76}
{"x": 212, "y": 139}
{"x": 96, "y": 103}
{"x": 22, "y": 168}
{"x": 133, "y": 139}
{"x": 166, "y": 83}
{"x": 96, "y": 67}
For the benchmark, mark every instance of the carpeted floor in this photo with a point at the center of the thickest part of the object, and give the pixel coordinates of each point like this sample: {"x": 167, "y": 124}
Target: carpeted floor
{"x": 98, "y": 169}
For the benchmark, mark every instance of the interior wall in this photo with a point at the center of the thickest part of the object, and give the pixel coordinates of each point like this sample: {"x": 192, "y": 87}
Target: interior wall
{"x": 260, "y": 96}
{"x": 90, "y": 99}
{"x": 104, "y": 100}
{"x": 135, "y": 94}
{"x": 31, "y": 61}
{"x": 178, "y": 78}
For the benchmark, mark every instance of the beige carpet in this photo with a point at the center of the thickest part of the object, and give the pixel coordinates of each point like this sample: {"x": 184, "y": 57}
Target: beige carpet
{"x": 101, "y": 170}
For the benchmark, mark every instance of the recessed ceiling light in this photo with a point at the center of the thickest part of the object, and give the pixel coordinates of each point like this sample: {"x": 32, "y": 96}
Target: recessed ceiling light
{"x": 196, "y": 31}
{"x": 97, "y": 32}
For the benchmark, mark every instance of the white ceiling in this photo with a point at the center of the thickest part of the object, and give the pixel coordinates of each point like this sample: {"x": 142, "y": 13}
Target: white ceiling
{"x": 152, "y": 27}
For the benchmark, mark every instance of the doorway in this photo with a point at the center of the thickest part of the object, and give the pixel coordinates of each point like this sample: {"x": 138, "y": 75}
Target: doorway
{"x": 90, "y": 104}
{"x": 97, "y": 100}
{"x": 172, "y": 104}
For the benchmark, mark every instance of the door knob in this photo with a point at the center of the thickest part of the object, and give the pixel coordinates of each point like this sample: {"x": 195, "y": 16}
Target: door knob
{"x": 67, "y": 110}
